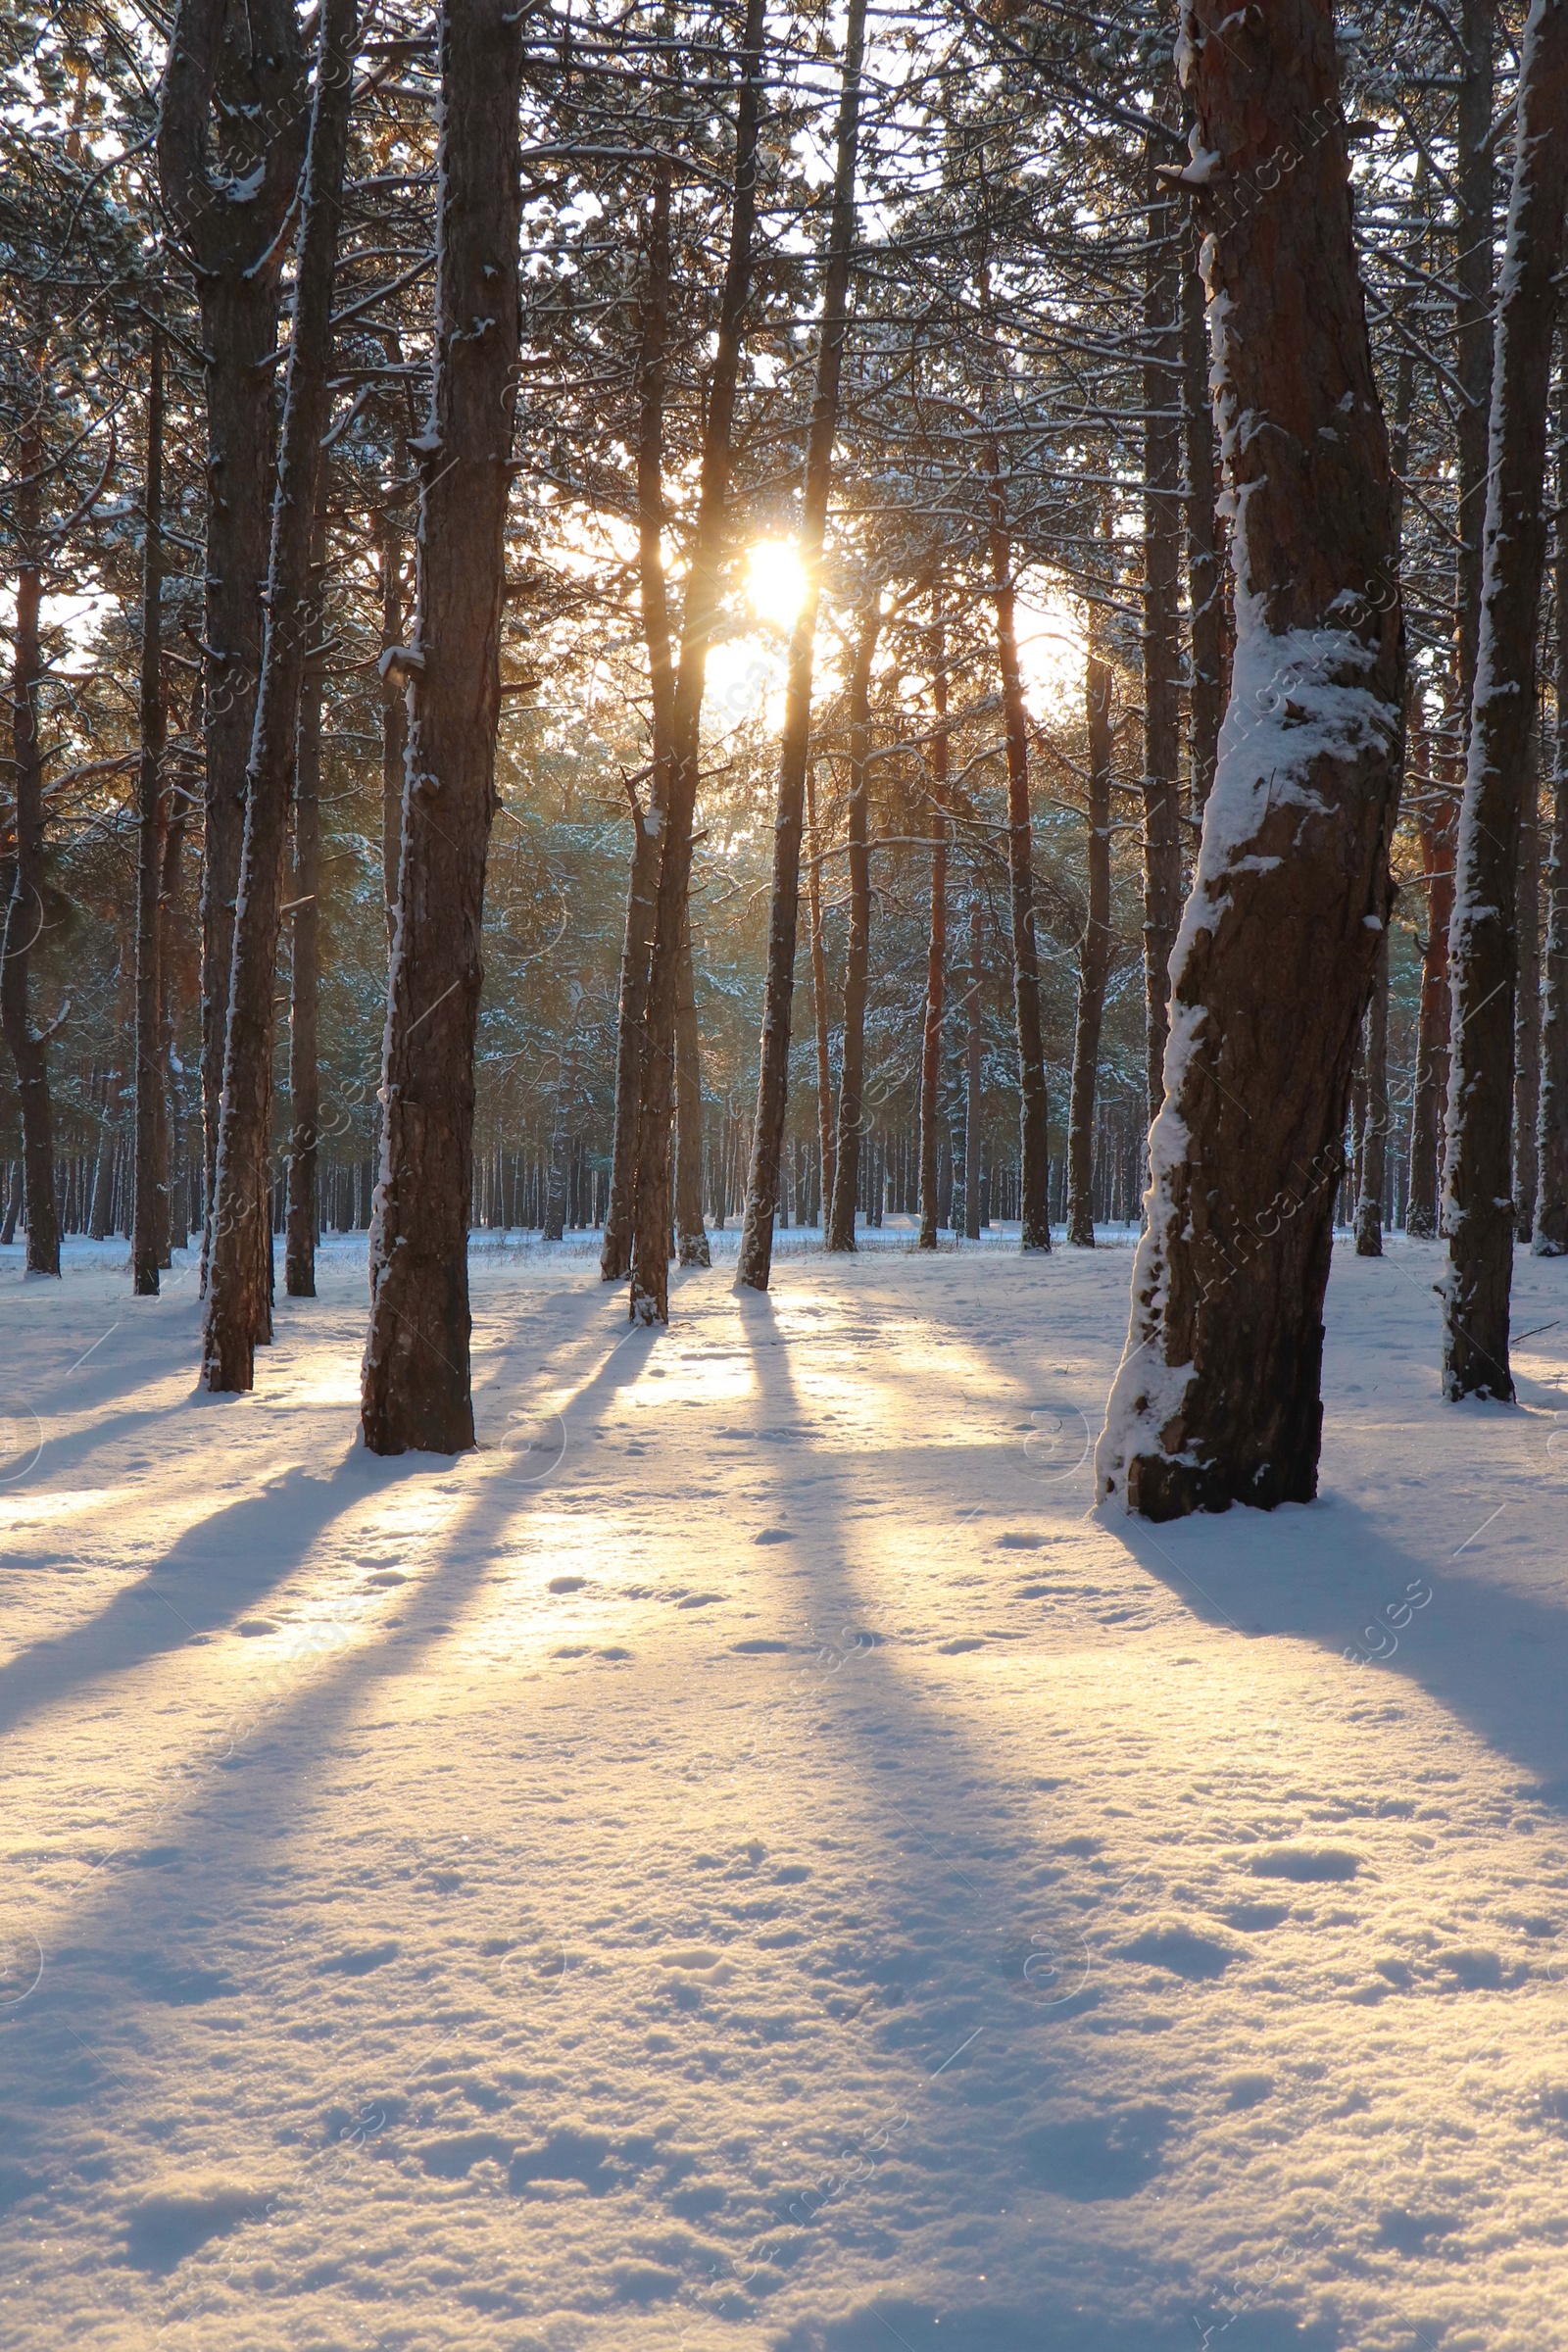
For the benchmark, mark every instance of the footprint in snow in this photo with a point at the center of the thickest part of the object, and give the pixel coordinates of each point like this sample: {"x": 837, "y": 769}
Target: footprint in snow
{"x": 951, "y": 1649}
{"x": 565, "y": 1584}
{"x": 776, "y": 1534}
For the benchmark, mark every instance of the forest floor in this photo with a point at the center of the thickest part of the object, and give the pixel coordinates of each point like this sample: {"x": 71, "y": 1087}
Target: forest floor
{"x": 748, "y": 1861}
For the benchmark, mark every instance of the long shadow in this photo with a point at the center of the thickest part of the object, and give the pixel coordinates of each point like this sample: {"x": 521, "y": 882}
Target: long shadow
{"x": 1329, "y": 1572}
{"x": 209, "y": 1579}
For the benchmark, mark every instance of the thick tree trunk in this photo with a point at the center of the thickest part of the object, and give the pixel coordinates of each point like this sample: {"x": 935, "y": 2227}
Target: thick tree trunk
{"x": 13, "y": 1207}
{"x": 149, "y": 1226}
{"x": 857, "y": 958}
{"x": 824, "y": 1059}
{"x": 756, "y": 1256}
{"x": 1375, "y": 1122}
{"x": 1094, "y": 950}
{"x": 936, "y": 951}
{"x": 1162, "y": 511}
{"x": 1477, "y": 1175}
{"x": 171, "y": 938}
{"x": 239, "y": 1281}
{"x": 24, "y": 909}
{"x": 1527, "y": 1007}
{"x": 303, "y": 1070}
{"x": 642, "y": 888}
{"x": 1205, "y": 583}
{"x": 691, "y": 1238}
{"x": 1034, "y": 1204}
{"x": 415, "y": 1392}
{"x": 229, "y": 213}
{"x": 1218, "y": 1397}
{"x": 973, "y": 1078}
{"x": 1552, "y": 1196}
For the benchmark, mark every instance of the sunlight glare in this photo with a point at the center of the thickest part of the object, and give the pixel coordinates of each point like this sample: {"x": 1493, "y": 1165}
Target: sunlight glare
{"x": 776, "y": 581}
{"x": 1053, "y": 647}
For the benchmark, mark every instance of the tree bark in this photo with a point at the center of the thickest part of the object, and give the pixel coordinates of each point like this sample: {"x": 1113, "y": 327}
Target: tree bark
{"x": 1552, "y": 1196}
{"x": 303, "y": 1070}
{"x": 229, "y": 211}
{"x": 1034, "y": 1127}
{"x": 1219, "y": 1394}
{"x": 642, "y": 888}
{"x": 1477, "y": 1176}
{"x": 561, "y": 1129}
{"x": 1375, "y": 1121}
{"x": 1437, "y": 825}
{"x": 936, "y": 948}
{"x": 1472, "y": 269}
{"x": 973, "y": 1078}
{"x": 1527, "y": 1009}
{"x": 824, "y": 1059}
{"x": 691, "y": 1238}
{"x": 152, "y": 1170}
{"x": 857, "y": 958}
{"x": 239, "y": 1280}
{"x": 1163, "y": 841}
{"x": 1205, "y": 584}
{"x": 1094, "y": 950}
{"x": 416, "y": 1392}
{"x": 24, "y": 909}
{"x": 755, "y": 1254}
{"x": 394, "y": 718}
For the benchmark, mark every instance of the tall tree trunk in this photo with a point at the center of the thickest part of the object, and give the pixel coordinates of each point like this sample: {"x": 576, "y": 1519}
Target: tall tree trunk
{"x": 755, "y": 1254}
{"x": 973, "y": 1077}
{"x": 1093, "y": 948}
{"x": 1033, "y": 1201}
{"x": 1218, "y": 1397}
{"x": 394, "y": 714}
{"x": 936, "y": 948}
{"x": 1162, "y": 470}
{"x": 691, "y": 1238}
{"x": 857, "y": 958}
{"x": 152, "y": 1171}
{"x": 1438, "y": 825}
{"x": 1527, "y": 1007}
{"x": 170, "y": 937}
{"x": 1478, "y": 1207}
{"x": 1552, "y": 1196}
{"x": 303, "y": 1070}
{"x": 416, "y": 1392}
{"x": 649, "y": 1301}
{"x": 824, "y": 1060}
{"x": 561, "y": 1129}
{"x": 1472, "y": 270}
{"x": 228, "y": 212}
{"x": 642, "y": 888}
{"x": 1205, "y": 581}
{"x": 13, "y": 1207}
{"x": 1375, "y": 1117}
{"x": 239, "y": 1281}
{"x": 24, "y": 909}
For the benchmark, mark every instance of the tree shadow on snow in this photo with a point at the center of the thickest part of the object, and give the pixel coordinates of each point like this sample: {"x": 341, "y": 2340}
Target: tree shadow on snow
{"x": 1329, "y": 1572}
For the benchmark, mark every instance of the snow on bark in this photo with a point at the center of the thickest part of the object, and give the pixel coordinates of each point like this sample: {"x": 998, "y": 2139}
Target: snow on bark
{"x": 1218, "y": 1397}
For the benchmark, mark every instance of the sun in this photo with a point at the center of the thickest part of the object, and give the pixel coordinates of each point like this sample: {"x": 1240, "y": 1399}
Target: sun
{"x": 776, "y": 581}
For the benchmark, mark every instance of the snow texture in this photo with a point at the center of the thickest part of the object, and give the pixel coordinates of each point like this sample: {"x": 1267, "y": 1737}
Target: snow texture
{"x": 748, "y": 1860}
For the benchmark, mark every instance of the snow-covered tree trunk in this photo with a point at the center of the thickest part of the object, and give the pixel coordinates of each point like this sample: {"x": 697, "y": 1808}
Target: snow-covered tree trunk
{"x": 1473, "y": 316}
{"x": 242, "y": 71}
{"x": 416, "y": 1392}
{"x": 394, "y": 714}
{"x": 691, "y": 1236}
{"x": 1550, "y": 1239}
{"x": 24, "y": 908}
{"x": 1162, "y": 470}
{"x": 1438, "y": 826}
{"x": 756, "y": 1256}
{"x": 857, "y": 956}
{"x": 152, "y": 1175}
{"x": 818, "y": 952}
{"x": 1527, "y": 1004}
{"x": 1094, "y": 950}
{"x": 1204, "y": 570}
{"x": 974, "y": 1079}
{"x": 240, "y": 1309}
{"x": 1477, "y": 1174}
{"x": 1219, "y": 1394}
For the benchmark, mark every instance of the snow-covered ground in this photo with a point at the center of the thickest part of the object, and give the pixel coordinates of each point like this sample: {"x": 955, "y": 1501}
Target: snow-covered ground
{"x": 748, "y": 1862}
